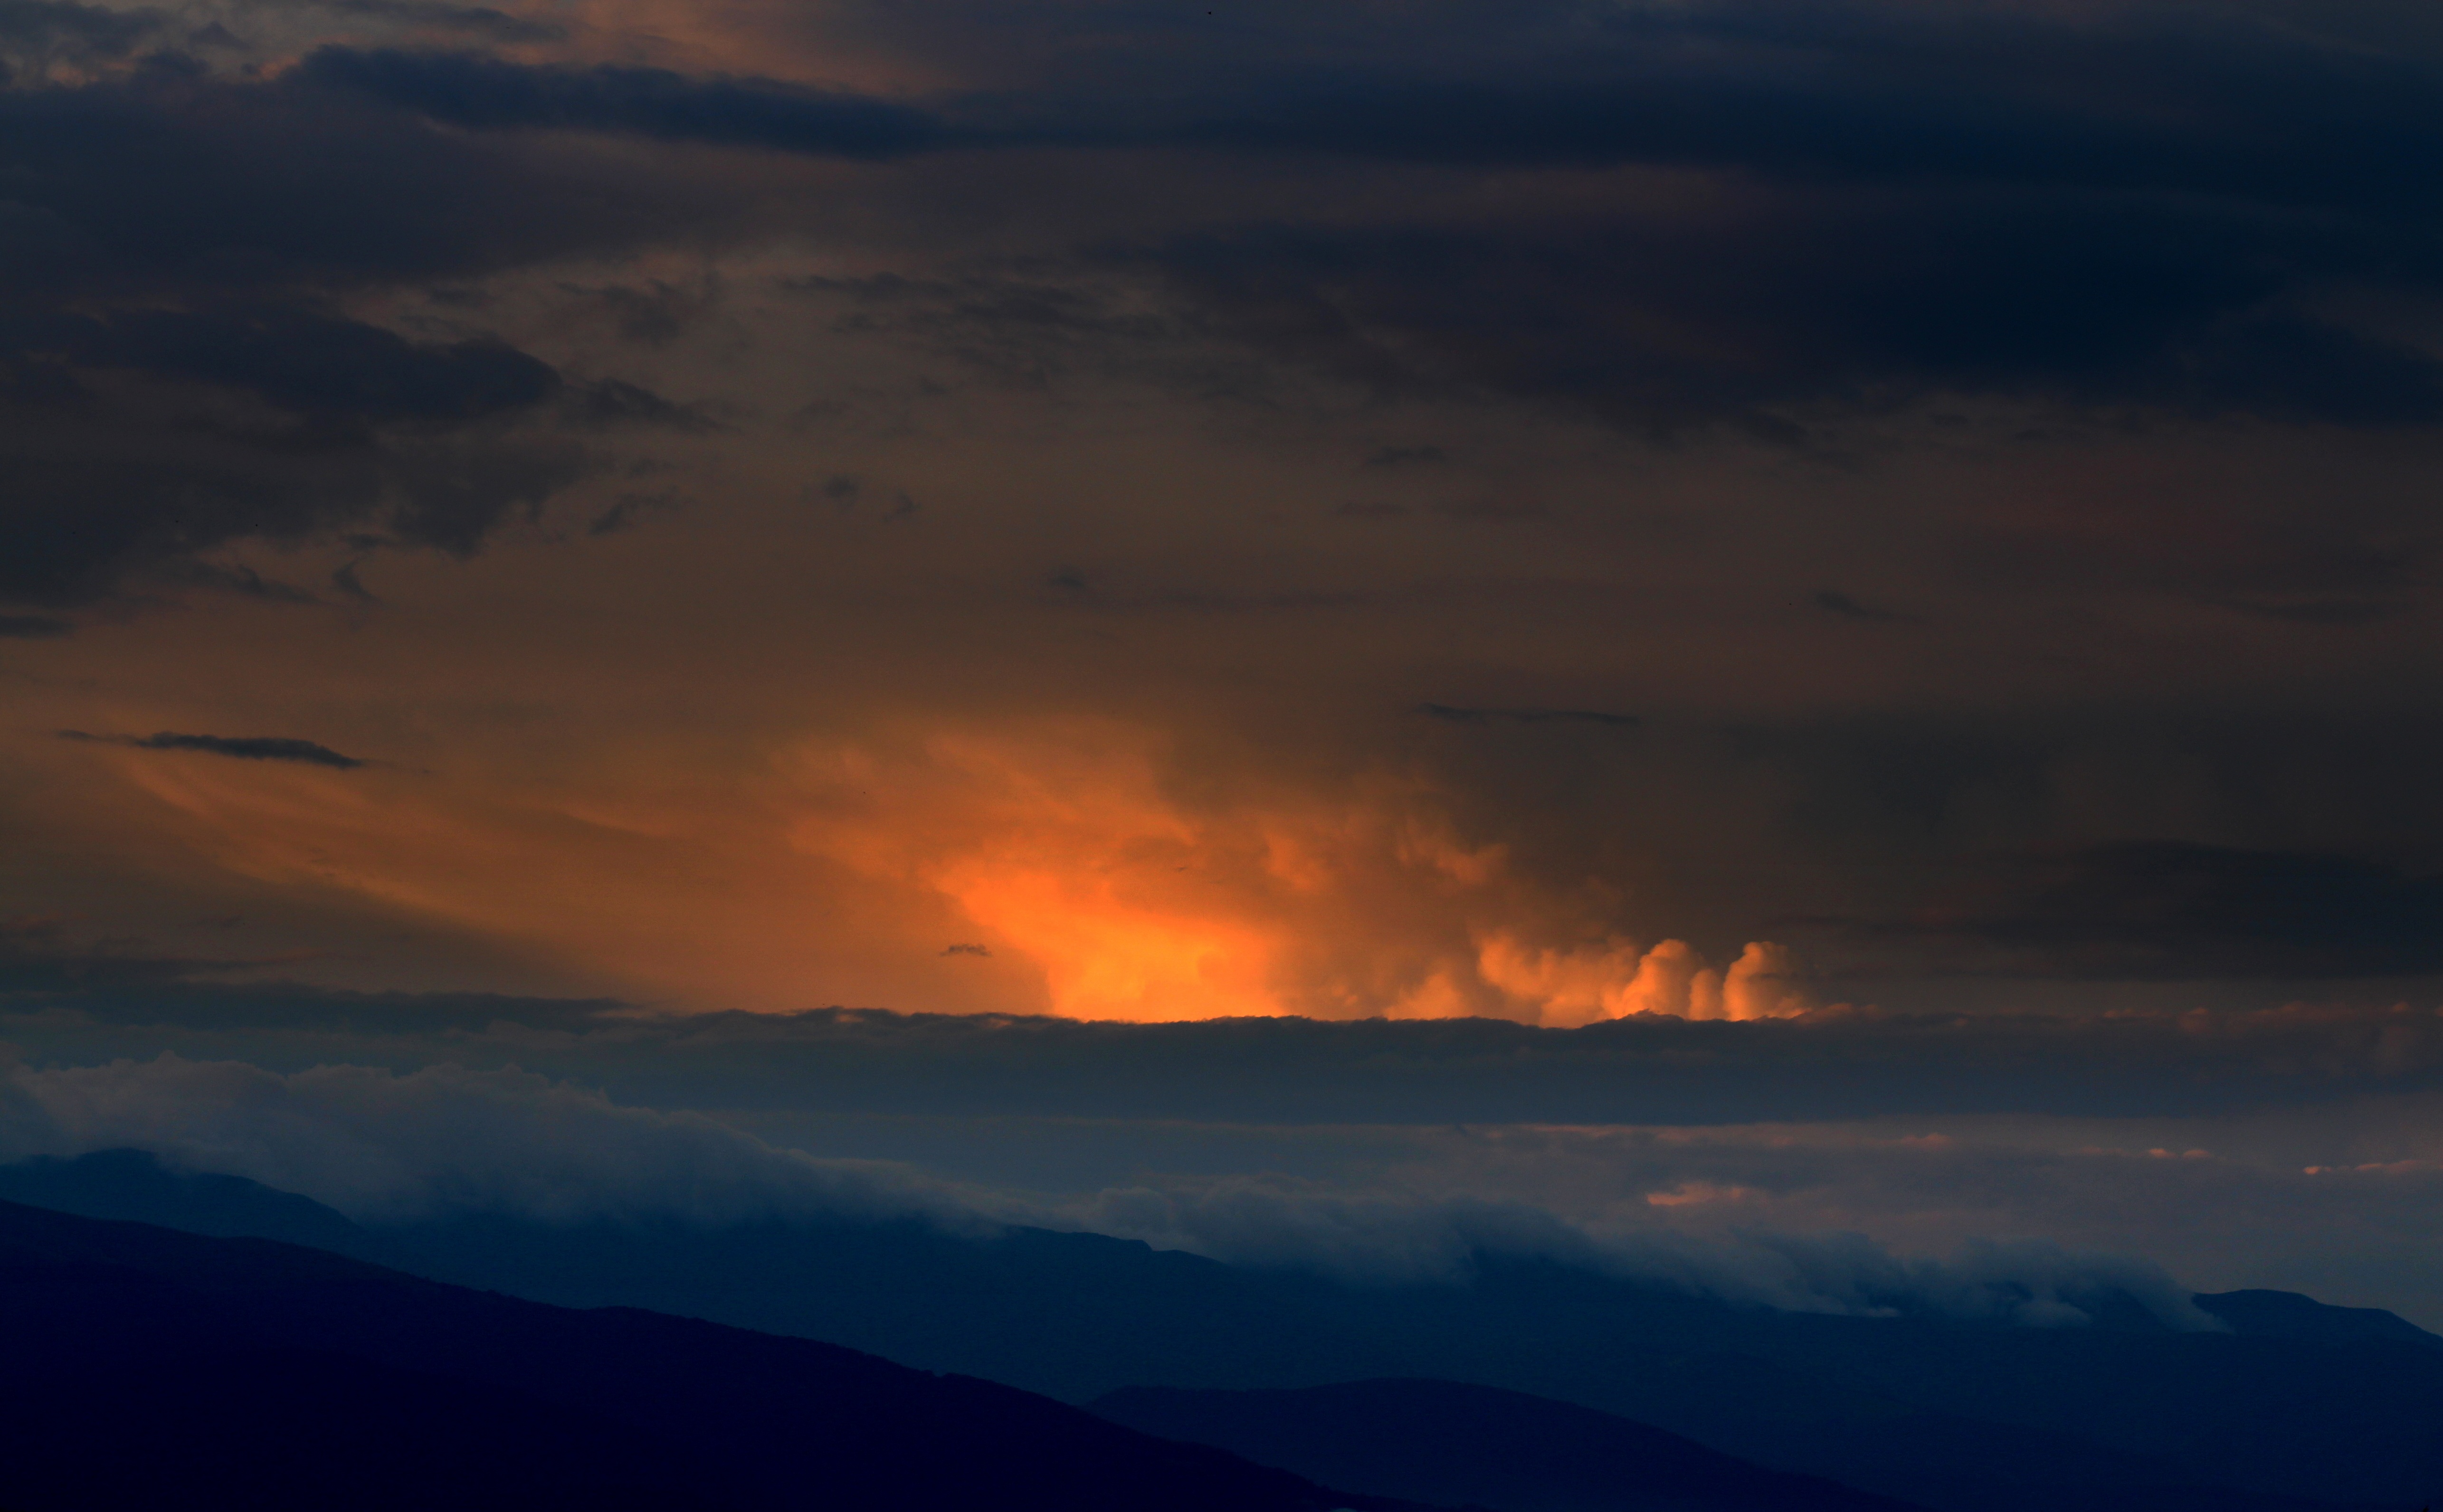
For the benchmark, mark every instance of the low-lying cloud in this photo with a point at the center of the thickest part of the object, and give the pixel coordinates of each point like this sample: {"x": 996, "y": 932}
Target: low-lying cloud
{"x": 387, "y": 1148}
{"x": 1257, "y": 1222}
{"x": 443, "y": 1142}
{"x": 72, "y": 1003}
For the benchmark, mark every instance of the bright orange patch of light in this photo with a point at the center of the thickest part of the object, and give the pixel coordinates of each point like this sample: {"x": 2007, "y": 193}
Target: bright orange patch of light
{"x": 1105, "y": 957}
{"x": 1060, "y": 846}
{"x": 1090, "y": 867}
{"x": 1065, "y": 845}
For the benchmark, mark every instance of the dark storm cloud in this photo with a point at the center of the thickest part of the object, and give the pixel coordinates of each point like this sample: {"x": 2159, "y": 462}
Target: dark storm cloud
{"x": 33, "y": 628}
{"x": 173, "y": 376}
{"x": 1858, "y": 92}
{"x": 245, "y": 748}
{"x": 161, "y": 181}
{"x": 2095, "y": 214}
{"x": 125, "y": 454}
{"x": 2131, "y": 211}
{"x": 2232, "y": 107}
{"x": 2185, "y": 912}
{"x": 1868, "y": 298}
{"x": 2137, "y": 211}
{"x": 469, "y": 89}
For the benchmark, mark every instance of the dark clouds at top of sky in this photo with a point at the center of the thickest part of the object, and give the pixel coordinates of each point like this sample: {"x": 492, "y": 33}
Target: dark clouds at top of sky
{"x": 175, "y": 373}
{"x": 2096, "y": 212}
{"x": 2145, "y": 208}
{"x": 1860, "y": 92}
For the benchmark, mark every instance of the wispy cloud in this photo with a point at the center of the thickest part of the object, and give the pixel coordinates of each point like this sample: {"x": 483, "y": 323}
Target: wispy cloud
{"x": 244, "y": 748}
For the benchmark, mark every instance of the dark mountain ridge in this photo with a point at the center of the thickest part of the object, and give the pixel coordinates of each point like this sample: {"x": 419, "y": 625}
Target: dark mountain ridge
{"x": 2299, "y": 1406}
{"x": 133, "y": 1186}
{"x": 2287, "y": 1315}
{"x": 1498, "y": 1449}
{"x": 154, "y": 1367}
{"x": 1973, "y": 1417}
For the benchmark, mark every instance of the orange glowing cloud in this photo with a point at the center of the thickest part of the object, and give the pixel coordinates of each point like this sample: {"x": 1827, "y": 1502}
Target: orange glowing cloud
{"x": 1615, "y": 978}
{"x": 1093, "y": 867}
{"x": 1059, "y": 844}
{"x": 1068, "y": 844}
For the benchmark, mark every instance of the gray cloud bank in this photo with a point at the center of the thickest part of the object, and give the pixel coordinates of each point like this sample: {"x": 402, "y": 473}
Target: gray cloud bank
{"x": 2300, "y": 1148}
{"x": 1834, "y": 1064}
{"x": 387, "y": 1149}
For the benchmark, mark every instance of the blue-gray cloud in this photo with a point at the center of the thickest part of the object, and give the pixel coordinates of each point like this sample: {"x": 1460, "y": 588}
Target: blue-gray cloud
{"x": 73, "y": 1005}
{"x": 244, "y": 748}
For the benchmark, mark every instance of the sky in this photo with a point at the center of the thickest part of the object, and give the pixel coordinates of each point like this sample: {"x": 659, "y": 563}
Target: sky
{"x": 1897, "y": 535}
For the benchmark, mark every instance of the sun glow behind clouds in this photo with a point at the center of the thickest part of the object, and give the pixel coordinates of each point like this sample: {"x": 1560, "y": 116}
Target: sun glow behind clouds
{"x": 1095, "y": 868}
{"x": 1069, "y": 846}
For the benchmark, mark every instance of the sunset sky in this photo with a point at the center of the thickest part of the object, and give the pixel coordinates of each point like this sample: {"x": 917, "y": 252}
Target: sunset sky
{"x": 1913, "y": 517}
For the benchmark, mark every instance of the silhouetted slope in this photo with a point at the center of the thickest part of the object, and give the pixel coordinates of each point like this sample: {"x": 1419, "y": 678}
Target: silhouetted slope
{"x": 2300, "y": 1402}
{"x": 148, "y": 1365}
{"x": 2288, "y": 1314}
{"x": 133, "y": 1187}
{"x": 1969, "y": 1417}
{"x": 1453, "y": 1442}
{"x": 129, "y": 1405}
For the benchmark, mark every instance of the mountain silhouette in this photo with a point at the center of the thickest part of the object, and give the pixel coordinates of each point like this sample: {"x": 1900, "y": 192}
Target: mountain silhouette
{"x": 2299, "y": 1407}
{"x": 148, "y": 1367}
{"x": 2288, "y": 1314}
{"x": 135, "y": 1187}
{"x": 1498, "y": 1449}
{"x": 1958, "y": 1417}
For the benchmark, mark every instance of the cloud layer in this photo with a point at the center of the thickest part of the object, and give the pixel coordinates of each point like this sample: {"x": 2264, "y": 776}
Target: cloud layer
{"x": 441, "y": 1143}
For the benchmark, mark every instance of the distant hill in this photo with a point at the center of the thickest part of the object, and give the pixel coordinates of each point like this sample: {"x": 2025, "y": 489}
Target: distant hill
{"x": 1498, "y": 1449}
{"x": 2288, "y": 1314}
{"x": 1958, "y": 1418}
{"x": 2300, "y": 1407}
{"x": 152, "y": 1368}
{"x": 135, "y": 1187}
